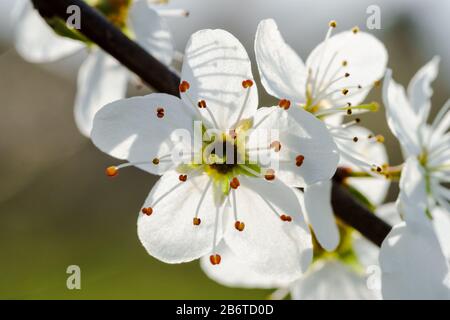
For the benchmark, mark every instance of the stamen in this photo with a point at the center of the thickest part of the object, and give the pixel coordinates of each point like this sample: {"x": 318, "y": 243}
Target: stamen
{"x": 112, "y": 171}
{"x": 344, "y": 63}
{"x": 184, "y": 86}
{"x": 355, "y": 29}
{"x": 234, "y": 183}
{"x": 285, "y": 218}
{"x": 155, "y": 161}
{"x": 196, "y": 221}
{"x": 355, "y": 139}
{"x": 239, "y": 226}
{"x": 215, "y": 259}
{"x": 160, "y": 113}
{"x": 344, "y": 91}
{"x": 202, "y": 198}
{"x": 333, "y": 24}
{"x": 299, "y": 160}
{"x": 276, "y": 146}
{"x": 246, "y": 84}
{"x": 269, "y": 175}
{"x": 173, "y": 13}
{"x": 182, "y": 178}
{"x": 201, "y": 104}
{"x": 147, "y": 211}
{"x": 284, "y": 103}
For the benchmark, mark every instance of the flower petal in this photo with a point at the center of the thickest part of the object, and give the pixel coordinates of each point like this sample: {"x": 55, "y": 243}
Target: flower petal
{"x": 101, "y": 80}
{"x": 419, "y": 89}
{"x": 283, "y": 73}
{"x": 366, "y": 59}
{"x": 300, "y": 134}
{"x": 42, "y": 44}
{"x": 234, "y": 272}
{"x": 169, "y": 234}
{"x": 320, "y": 214}
{"x": 401, "y": 119}
{"x": 151, "y": 31}
{"x": 215, "y": 64}
{"x": 131, "y": 129}
{"x": 332, "y": 280}
{"x": 412, "y": 263}
{"x": 388, "y": 212}
{"x": 272, "y": 247}
{"x": 441, "y": 223}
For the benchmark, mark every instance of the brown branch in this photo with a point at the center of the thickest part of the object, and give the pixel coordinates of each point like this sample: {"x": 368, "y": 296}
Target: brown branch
{"x": 97, "y": 28}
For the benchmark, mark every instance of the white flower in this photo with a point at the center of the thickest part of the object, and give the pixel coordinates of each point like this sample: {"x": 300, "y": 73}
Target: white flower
{"x": 195, "y": 207}
{"x": 336, "y": 78}
{"x": 426, "y": 147}
{"x": 338, "y": 275}
{"x": 101, "y": 78}
{"x": 415, "y": 256}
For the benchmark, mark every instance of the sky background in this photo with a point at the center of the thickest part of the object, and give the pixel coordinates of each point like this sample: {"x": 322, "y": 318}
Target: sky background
{"x": 58, "y": 209}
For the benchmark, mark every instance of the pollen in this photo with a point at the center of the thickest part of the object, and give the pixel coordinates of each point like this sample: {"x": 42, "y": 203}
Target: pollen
{"x": 284, "y": 103}
{"x": 184, "y": 86}
{"x": 160, "y": 112}
{"x": 112, "y": 171}
{"x": 276, "y": 146}
{"x": 201, "y": 104}
{"x": 285, "y": 218}
{"x": 355, "y": 29}
{"x": 182, "y": 177}
{"x": 247, "y": 83}
{"x": 332, "y": 24}
{"x": 147, "y": 211}
{"x": 196, "y": 221}
{"x": 155, "y": 161}
{"x": 239, "y": 226}
{"x": 234, "y": 183}
{"x": 270, "y": 175}
{"x": 299, "y": 160}
{"x": 215, "y": 259}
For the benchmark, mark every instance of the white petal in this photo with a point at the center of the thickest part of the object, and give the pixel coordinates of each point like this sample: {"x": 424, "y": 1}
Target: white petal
{"x": 366, "y": 57}
{"x": 300, "y": 133}
{"x": 375, "y": 189}
{"x": 215, "y": 64}
{"x": 270, "y": 246}
{"x": 320, "y": 214}
{"x": 234, "y": 272}
{"x": 412, "y": 263}
{"x": 419, "y": 89}
{"x": 101, "y": 80}
{"x": 388, "y": 212}
{"x": 412, "y": 191}
{"x": 36, "y": 42}
{"x": 441, "y": 223}
{"x": 169, "y": 234}
{"x": 130, "y": 129}
{"x": 402, "y": 121}
{"x": 366, "y": 251}
{"x": 151, "y": 31}
{"x": 332, "y": 280}
{"x": 283, "y": 73}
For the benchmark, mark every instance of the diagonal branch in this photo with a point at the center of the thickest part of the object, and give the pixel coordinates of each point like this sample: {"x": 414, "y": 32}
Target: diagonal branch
{"x": 97, "y": 28}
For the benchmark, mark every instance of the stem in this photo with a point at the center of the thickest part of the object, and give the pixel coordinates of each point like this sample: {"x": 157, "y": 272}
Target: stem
{"x": 98, "y": 29}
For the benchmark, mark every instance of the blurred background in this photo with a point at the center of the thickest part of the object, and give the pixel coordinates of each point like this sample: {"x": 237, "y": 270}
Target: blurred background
{"x": 57, "y": 208}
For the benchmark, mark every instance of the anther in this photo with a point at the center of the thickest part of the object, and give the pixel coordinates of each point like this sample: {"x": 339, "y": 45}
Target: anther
{"x": 276, "y": 146}
{"x": 155, "y": 161}
{"x": 380, "y": 138}
{"x": 234, "y": 183}
{"x": 215, "y": 259}
{"x": 349, "y": 111}
{"x": 357, "y": 120}
{"x": 239, "y": 225}
{"x": 355, "y": 139}
{"x": 299, "y": 160}
{"x": 247, "y": 83}
{"x": 285, "y": 218}
{"x": 355, "y": 30}
{"x": 147, "y": 211}
{"x": 201, "y": 104}
{"x": 359, "y": 86}
{"x": 344, "y": 91}
{"x": 270, "y": 175}
{"x": 196, "y": 221}
{"x": 284, "y": 103}
{"x": 182, "y": 177}
{"x": 112, "y": 171}
{"x": 377, "y": 83}
{"x": 184, "y": 86}
{"x": 332, "y": 24}
{"x": 344, "y": 63}
{"x": 160, "y": 113}
{"x": 347, "y": 74}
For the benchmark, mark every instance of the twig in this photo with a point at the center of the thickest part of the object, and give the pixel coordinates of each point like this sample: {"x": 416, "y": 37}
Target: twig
{"x": 97, "y": 28}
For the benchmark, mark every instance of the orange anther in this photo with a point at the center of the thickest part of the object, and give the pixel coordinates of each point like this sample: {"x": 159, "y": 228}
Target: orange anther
{"x": 184, "y": 86}
{"x": 147, "y": 211}
{"x": 215, "y": 259}
{"x": 299, "y": 160}
{"x": 182, "y": 177}
{"x": 276, "y": 146}
{"x": 270, "y": 175}
{"x": 239, "y": 225}
{"x": 197, "y": 221}
{"x": 284, "y": 103}
{"x": 155, "y": 161}
{"x": 112, "y": 171}
{"x": 201, "y": 104}
{"x": 286, "y": 218}
{"x": 160, "y": 112}
{"x": 234, "y": 183}
{"x": 247, "y": 83}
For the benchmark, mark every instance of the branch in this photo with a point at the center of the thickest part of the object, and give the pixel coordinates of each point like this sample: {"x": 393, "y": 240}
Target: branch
{"x": 97, "y": 28}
